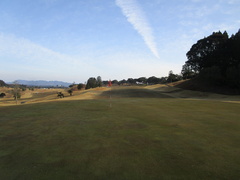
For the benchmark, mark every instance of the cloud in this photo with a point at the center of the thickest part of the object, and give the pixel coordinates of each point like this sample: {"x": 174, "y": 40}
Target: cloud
{"x": 25, "y": 55}
{"x": 136, "y": 17}
{"x": 233, "y": 2}
{"x": 30, "y": 52}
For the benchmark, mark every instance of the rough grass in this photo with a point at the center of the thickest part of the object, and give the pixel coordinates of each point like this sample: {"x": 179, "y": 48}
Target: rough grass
{"x": 137, "y": 138}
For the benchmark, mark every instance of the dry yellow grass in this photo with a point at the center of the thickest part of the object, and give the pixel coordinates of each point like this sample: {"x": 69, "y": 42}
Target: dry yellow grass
{"x": 50, "y": 95}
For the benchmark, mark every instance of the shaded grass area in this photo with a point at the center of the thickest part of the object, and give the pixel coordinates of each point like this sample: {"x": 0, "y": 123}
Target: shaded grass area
{"x": 134, "y": 92}
{"x": 197, "y": 84}
{"x": 135, "y": 139}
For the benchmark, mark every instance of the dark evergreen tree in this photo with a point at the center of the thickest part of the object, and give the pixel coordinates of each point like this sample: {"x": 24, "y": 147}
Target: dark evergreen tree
{"x": 91, "y": 83}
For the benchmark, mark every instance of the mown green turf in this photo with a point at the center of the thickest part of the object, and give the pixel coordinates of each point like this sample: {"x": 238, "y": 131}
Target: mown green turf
{"x": 138, "y": 138}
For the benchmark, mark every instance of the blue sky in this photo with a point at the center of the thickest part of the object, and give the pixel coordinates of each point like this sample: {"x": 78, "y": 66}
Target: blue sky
{"x": 72, "y": 40}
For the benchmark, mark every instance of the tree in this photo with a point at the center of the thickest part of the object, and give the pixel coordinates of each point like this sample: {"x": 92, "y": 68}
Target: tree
{"x": 105, "y": 83}
{"x": 233, "y": 76}
{"x": 187, "y": 72}
{"x": 153, "y": 80}
{"x": 23, "y": 88}
{"x": 215, "y": 59}
{"x": 131, "y": 81}
{"x": 229, "y": 54}
{"x": 212, "y": 75}
{"x": 122, "y": 82}
{"x": 163, "y": 80}
{"x": 16, "y": 92}
{"x": 60, "y": 95}
{"x": 142, "y": 80}
{"x": 99, "y": 81}
{"x": 70, "y": 91}
{"x": 201, "y": 54}
{"x": 173, "y": 77}
{"x": 115, "y": 82}
{"x": 91, "y": 83}
{"x": 80, "y": 86}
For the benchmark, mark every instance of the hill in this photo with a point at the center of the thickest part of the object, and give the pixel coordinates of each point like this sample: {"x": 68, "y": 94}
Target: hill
{"x": 43, "y": 83}
{"x": 2, "y": 83}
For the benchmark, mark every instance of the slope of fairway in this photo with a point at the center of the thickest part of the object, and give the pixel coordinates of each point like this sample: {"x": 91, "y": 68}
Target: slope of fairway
{"x": 175, "y": 92}
{"x": 137, "y": 138}
{"x": 133, "y": 92}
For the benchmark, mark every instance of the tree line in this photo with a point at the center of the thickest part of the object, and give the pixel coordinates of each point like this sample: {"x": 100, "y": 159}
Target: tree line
{"x": 93, "y": 82}
{"x": 215, "y": 59}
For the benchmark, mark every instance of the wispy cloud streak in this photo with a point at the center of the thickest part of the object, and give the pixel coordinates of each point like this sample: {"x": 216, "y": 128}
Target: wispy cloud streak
{"x": 32, "y": 54}
{"x": 136, "y": 17}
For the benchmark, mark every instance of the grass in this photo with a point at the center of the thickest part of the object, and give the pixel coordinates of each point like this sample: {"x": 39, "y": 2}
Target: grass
{"x": 138, "y": 138}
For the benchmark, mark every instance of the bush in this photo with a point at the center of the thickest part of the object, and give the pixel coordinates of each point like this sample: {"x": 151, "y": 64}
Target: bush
{"x": 80, "y": 86}
{"x": 17, "y": 95}
{"x": 2, "y": 95}
{"x": 70, "y": 91}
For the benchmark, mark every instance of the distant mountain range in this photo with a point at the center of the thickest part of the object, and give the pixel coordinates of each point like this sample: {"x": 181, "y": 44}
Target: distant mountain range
{"x": 43, "y": 83}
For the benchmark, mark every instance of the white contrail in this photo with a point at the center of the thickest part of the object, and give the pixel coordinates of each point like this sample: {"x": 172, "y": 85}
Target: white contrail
{"x": 136, "y": 17}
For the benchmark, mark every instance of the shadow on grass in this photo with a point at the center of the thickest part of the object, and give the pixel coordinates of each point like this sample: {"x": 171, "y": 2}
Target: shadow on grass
{"x": 134, "y": 93}
{"x": 197, "y": 84}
